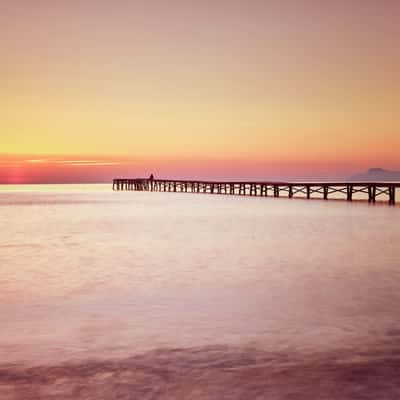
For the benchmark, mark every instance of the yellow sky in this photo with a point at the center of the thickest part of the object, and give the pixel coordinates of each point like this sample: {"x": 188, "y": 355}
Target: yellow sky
{"x": 222, "y": 80}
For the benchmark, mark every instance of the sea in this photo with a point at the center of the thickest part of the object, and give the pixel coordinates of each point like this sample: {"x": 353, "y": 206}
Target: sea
{"x": 138, "y": 295}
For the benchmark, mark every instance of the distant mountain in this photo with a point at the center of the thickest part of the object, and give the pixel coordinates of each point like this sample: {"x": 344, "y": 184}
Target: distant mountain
{"x": 377, "y": 175}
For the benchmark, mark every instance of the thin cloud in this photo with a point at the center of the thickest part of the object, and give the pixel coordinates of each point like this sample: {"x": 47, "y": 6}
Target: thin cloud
{"x": 91, "y": 164}
{"x": 70, "y": 162}
{"x": 75, "y": 161}
{"x": 36, "y": 161}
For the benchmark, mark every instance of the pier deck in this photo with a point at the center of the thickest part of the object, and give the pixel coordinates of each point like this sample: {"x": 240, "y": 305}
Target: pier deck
{"x": 371, "y": 191}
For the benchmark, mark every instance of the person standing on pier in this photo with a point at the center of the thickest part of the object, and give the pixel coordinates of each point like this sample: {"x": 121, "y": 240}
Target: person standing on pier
{"x": 151, "y": 179}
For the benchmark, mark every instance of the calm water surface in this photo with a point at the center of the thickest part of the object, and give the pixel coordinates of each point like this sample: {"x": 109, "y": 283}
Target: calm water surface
{"x": 196, "y": 296}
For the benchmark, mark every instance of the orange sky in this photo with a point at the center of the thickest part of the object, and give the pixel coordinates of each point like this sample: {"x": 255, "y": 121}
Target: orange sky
{"x": 206, "y": 89}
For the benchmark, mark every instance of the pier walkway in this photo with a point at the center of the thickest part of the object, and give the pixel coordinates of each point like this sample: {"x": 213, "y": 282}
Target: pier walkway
{"x": 371, "y": 191}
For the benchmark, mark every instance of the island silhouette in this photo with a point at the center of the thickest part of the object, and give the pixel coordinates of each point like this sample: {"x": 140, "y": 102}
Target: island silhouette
{"x": 376, "y": 175}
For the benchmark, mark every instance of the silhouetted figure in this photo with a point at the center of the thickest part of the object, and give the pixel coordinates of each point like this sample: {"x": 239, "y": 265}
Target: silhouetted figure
{"x": 151, "y": 179}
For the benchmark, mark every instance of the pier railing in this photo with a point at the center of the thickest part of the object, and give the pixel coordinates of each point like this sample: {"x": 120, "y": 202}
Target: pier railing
{"x": 371, "y": 191}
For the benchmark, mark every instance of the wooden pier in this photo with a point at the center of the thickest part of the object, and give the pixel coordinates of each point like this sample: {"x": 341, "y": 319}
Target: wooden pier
{"x": 371, "y": 191}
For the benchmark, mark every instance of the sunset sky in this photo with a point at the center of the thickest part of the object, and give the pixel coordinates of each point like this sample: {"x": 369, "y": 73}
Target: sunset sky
{"x": 90, "y": 90}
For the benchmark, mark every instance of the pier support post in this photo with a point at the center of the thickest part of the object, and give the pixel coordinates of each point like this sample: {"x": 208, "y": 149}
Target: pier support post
{"x": 349, "y": 192}
{"x": 326, "y": 191}
{"x": 392, "y": 195}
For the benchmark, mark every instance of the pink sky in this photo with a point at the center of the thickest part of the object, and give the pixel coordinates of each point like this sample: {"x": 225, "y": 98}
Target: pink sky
{"x": 53, "y": 169}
